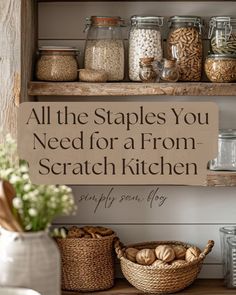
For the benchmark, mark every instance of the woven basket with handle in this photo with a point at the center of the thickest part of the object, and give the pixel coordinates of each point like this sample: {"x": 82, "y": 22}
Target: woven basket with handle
{"x": 169, "y": 279}
{"x": 87, "y": 264}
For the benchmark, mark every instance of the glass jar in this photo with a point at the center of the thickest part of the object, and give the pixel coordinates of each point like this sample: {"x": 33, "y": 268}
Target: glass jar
{"x": 169, "y": 70}
{"x": 104, "y": 49}
{"x": 144, "y": 41}
{"x": 184, "y": 43}
{"x": 230, "y": 280}
{"x": 226, "y": 159}
{"x": 222, "y": 34}
{"x": 146, "y": 72}
{"x": 225, "y": 234}
{"x": 58, "y": 64}
{"x": 221, "y": 68}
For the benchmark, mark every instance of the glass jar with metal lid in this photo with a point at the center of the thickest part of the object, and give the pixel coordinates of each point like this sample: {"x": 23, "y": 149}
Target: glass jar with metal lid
{"x": 144, "y": 42}
{"x": 226, "y": 159}
{"x": 221, "y": 68}
{"x": 222, "y": 33}
{"x": 57, "y": 63}
{"x": 184, "y": 43}
{"x": 104, "y": 49}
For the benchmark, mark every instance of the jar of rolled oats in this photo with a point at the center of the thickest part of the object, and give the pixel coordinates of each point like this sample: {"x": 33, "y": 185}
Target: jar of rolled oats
{"x": 104, "y": 49}
{"x": 57, "y": 64}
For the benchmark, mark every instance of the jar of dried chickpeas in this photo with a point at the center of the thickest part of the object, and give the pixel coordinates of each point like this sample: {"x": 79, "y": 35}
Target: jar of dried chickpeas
{"x": 57, "y": 64}
{"x": 184, "y": 43}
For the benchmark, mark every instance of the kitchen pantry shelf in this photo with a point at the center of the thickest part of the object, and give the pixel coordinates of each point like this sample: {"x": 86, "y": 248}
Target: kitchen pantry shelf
{"x": 130, "y": 89}
{"x": 200, "y": 287}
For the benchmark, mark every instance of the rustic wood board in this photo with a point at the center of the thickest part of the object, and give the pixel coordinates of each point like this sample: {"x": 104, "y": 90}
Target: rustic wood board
{"x": 131, "y": 89}
{"x": 221, "y": 178}
{"x": 200, "y": 287}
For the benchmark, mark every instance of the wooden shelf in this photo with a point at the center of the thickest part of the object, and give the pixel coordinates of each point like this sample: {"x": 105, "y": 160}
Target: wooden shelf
{"x": 131, "y": 89}
{"x": 221, "y": 178}
{"x": 199, "y": 287}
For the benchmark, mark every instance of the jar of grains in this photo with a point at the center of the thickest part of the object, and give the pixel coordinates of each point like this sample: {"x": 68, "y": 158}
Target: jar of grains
{"x": 57, "y": 64}
{"x": 222, "y": 33}
{"x": 184, "y": 43}
{"x": 104, "y": 49}
{"x": 144, "y": 42}
{"x": 221, "y": 68}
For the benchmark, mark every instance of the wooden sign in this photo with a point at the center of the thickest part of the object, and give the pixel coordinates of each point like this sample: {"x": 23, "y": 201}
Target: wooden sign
{"x": 135, "y": 143}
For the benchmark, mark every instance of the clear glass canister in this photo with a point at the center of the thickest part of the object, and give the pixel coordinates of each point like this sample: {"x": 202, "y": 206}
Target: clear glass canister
{"x": 222, "y": 33}
{"x": 221, "y": 68}
{"x": 104, "y": 49}
{"x": 226, "y": 159}
{"x": 230, "y": 279}
{"x": 144, "y": 42}
{"x": 225, "y": 234}
{"x": 58, "y": 64}
{"x": 184, "y": 43}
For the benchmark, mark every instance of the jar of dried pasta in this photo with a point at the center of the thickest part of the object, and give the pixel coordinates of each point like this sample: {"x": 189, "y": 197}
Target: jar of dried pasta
{"x": 222, "y": 34}
{"x": 104, "y": 49}
{"x": 221, "y": 68}
{"x": 57, "y": 64}
{"x": 184, "y": 43}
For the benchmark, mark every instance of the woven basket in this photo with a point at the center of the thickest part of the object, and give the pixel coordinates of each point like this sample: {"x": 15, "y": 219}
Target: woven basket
{"x": 87, "y": 264}
{"x": 156, "y": 280}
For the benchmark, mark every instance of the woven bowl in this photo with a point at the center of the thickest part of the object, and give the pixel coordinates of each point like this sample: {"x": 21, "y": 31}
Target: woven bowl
{"x": 87, "y": 264}
{"x": 169, "y": 279}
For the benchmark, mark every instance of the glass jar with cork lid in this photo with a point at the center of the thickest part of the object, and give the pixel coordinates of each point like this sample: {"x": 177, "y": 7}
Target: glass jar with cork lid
{"x": 104, "y": 49}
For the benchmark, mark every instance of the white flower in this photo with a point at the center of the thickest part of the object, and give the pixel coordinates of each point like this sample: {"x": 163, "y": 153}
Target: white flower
{"x": 25, "y": 177}
{"x": 24, "y": 169}
{"x": 14, "y": 179}
{"x": 17, "y": 203}
{"x": 27, "y": 187}
{"x": 32, "y": 212}
{"x": 65, "y": 198}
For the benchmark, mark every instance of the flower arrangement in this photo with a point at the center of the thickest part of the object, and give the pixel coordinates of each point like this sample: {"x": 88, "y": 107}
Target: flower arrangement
{"x": 35, "y": 205}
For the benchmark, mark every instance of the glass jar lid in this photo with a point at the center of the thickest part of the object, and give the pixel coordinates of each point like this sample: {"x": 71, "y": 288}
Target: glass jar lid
{"x": 222, "y": 56}
{"x": 149, "y": 20}
{"x": 224, "y": 19}
{"x": 222, "y": 22}
{"x": 104, "y": 21}
{"x": 227, "y": 133}
{"x": 185, "y": 19}
{"x": 58, "y": 49}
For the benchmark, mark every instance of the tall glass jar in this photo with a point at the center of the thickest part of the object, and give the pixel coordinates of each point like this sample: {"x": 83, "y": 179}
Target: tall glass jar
{"x": 222, "y": 33}
{"x": 225, "y": 234}
{"x": 104, "y": 49}
{"x": 184, "y": 43}
{"x": 144, "y": 42}
{"x": 230, "y": 280}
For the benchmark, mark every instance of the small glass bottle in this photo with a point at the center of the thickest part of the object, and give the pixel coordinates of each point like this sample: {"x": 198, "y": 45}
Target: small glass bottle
{"x": 169, "y": 70}
{"x": 147, "y": 72}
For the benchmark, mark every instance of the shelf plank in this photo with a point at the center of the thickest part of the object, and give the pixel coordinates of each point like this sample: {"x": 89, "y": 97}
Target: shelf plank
{"x": 131, "y": 89}
{"x": 199, "y": 287}
{"x": 221, "y": 178}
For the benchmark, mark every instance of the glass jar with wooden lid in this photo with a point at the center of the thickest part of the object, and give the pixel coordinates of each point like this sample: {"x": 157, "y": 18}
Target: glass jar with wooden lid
{"x": 104, "y": 49}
